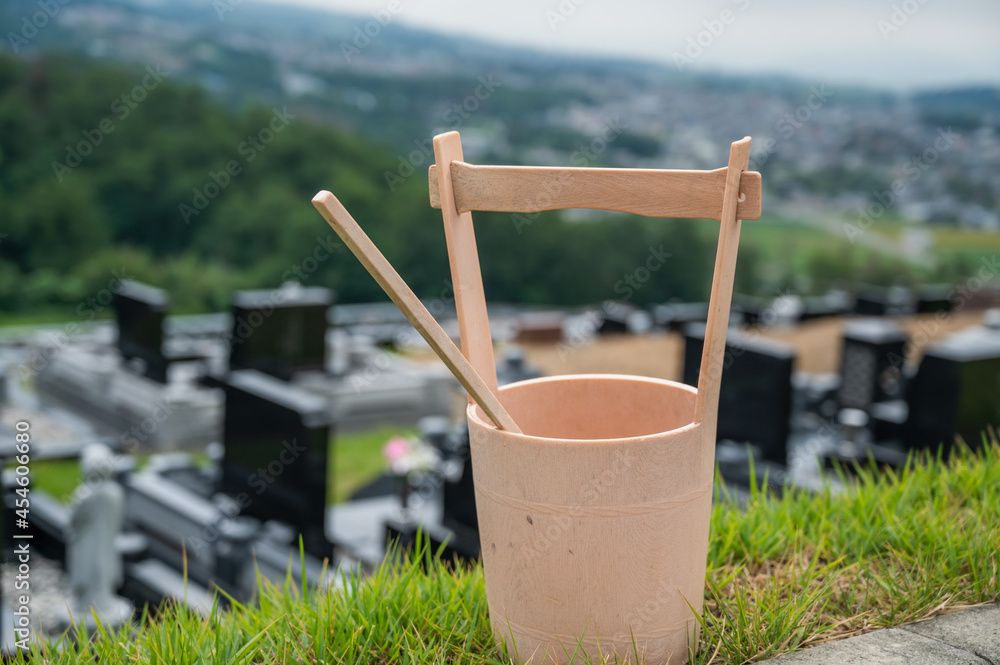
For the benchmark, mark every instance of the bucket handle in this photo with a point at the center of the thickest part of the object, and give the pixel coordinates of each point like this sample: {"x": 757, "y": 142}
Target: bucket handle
{"x": 713, "y": 354}
{"x": 466, "y": 276}
{"x": 458, "y": 188}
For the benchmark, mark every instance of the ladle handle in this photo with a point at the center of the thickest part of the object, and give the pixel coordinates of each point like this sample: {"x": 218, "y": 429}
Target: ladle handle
{"x": 344, "y": 225}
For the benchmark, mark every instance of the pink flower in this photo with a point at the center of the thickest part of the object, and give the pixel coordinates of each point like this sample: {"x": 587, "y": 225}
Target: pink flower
{"x": 395, "y": 448}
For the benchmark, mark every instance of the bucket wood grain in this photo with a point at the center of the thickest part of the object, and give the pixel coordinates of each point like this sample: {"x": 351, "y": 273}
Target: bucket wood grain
{"x": 594, "y": 522}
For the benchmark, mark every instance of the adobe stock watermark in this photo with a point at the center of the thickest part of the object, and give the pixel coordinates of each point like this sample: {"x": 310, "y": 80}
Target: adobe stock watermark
{"x": 310, "y": 263}
{"x": 31, "y": 25}
{"x": 258, "y": 481}
{"x": 364, "y": 34}
{"x": 223, "y": 7}
{"x": 248, "y": 149}
{"x": 787, "y": 125}
{"x": 928, "y": 329}
{"x": 912, "y": 170}
{"x": 632, "y": 282}
{"x": 382, "y": 359}
{"x": 243, "y": 328}
{"x": 122, "y": 107}
{"x": 132, "y": 438}
{"x": 51, "y": 343}
{"x": 596, "y": 487}
{"x": 454, "y": 117}
{"x": 584, "y": 155}
{"x": 563, "y": 11}
{"x": 704, "y": 39}
{"x": 626, "y": 287}
{"x": 899, "y": 16}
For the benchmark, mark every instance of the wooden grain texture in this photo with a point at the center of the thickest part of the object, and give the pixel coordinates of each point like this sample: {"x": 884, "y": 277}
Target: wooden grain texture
{"x": 713, "y": 353}
{"x": 463, "y": 257}
{"x": 596, "y": 535}
{"x": 390, "y": 281}
{"x": 649, "y": 192}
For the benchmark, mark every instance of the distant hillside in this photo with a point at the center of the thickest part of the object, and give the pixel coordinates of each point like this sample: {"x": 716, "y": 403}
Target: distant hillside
{"x": 108, "y": 172}
{"x": 827, "y": 149}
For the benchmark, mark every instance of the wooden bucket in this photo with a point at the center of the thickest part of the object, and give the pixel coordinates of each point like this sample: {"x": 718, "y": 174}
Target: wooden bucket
{"x": 594, "y": 521}
{"x": 594, "y": 517}
{"x": 593, "y": 491}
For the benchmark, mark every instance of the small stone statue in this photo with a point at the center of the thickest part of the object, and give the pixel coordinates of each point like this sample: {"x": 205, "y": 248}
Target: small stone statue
{"x": 93, "y": 563}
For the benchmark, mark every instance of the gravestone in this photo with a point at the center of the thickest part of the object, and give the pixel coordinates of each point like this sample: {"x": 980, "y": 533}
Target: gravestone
{"x": 280, "y": 331}
{"x": 855, "y": 448}
{"x": 750, "y": 308}
{"x": 141, "y": 311}
{"x": 834, "y": 303}
{"x": 871, "y": 364}
{"x": 675, "y": 316}
{"x": 515, "y": 368}
{"x": 935, "y": 298}
{"x": 883, "y": 301}
{"x": 615, "y": 317}
{"x": 755, "y": 399}
{"x": 889, "y": 419}
{"x": 276, "y": 459}
{"x": 956, "y": 391}
{"x": 460, "y": 492}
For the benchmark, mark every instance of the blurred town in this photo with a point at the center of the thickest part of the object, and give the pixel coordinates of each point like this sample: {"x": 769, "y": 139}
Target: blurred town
{"x": 171, "y": 302}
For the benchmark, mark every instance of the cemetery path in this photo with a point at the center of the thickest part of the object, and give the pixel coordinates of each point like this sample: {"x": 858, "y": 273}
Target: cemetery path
{"x": 969, "y": 636}
{"x": 817, "y": 344}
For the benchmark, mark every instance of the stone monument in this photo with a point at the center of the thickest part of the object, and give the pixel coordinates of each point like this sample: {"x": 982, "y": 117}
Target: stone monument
{"x": 93, "y": 563}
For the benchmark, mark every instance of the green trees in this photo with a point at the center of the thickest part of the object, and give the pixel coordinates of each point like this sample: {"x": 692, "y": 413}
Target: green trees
{"x": 107, "y": 171}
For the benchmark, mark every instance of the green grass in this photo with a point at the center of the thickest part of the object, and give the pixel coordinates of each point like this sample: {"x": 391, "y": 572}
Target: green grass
{"x": 56, "y": 477}
{"x": 48, "y": 315}
{"x": 357, "y": 459}
{"x": 783, "y": 573}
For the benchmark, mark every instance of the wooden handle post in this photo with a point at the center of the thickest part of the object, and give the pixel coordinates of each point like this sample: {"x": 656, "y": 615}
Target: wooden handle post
{"x": 713, "y": 353}
{"x": 463, "y": 256}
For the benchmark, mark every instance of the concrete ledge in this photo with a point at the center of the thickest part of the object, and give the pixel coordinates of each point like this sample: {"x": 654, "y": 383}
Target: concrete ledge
{"x": 882, "y": 647}
{"x": 976, "y": 630}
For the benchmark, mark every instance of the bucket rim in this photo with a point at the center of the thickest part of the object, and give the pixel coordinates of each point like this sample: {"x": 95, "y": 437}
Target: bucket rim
{"x": 473, "y": 408}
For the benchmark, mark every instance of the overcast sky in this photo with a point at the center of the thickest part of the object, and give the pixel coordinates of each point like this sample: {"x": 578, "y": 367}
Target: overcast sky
{"x": 901, "y": 44}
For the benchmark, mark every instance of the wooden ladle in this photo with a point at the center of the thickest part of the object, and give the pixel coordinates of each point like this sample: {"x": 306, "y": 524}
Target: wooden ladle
{"x": 344, "y": 225}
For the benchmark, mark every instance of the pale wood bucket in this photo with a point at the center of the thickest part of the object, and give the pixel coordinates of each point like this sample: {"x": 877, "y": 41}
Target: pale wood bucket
{"x": 594, "y": 522}
{"x": 594, "y": 491}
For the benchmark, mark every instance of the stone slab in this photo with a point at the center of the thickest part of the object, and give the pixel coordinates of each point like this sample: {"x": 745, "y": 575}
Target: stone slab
{"x": 976, "y": 630}
{"x": 882, "y": 647}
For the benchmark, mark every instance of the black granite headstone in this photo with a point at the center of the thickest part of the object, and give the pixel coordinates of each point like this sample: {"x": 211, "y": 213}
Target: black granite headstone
{"x": 276, "y": 459}
{"x": 935, "y": 298}
{"x": 755, "y": 398}
{"x": 141, "y": 310}
{"x": 515, "y": 368}
{"x": 750, "y": 308}
{"x": 614, "y": 317}
{"x": 460, "y": 494}
{"x": 883, "y": 301}
{"x": 871, "y": 365}
{"x": 835, "y": 303}
{"x": 956, "y": 391}
{"x": 281, "y": 331}
{"x": 676, "y": 315}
